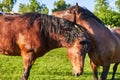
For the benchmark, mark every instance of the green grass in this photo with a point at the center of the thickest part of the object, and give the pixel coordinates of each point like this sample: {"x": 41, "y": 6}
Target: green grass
{"x": 52, "y": 66}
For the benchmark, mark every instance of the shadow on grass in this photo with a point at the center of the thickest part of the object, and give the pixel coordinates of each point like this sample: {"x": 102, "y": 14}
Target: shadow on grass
{"x": 85, "y": 73}
{"x": 116, "y": 75}
{"x": 60, "y": 73}
{"x": 110, "y": 73}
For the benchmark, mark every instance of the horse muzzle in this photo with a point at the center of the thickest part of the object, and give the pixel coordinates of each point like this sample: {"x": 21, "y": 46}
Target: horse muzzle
{"x": 77, "y": 73}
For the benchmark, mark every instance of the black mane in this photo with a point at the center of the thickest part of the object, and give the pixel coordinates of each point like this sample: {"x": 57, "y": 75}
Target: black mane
{"x": 86, "y": 14}
{"x": 55, "y": 25}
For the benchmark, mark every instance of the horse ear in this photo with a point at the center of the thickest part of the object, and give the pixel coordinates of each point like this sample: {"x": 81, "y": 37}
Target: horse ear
{"x": 77, "y": 7}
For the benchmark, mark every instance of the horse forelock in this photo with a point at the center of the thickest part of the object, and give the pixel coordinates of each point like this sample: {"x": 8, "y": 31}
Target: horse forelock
{"x": 77, "y": 32}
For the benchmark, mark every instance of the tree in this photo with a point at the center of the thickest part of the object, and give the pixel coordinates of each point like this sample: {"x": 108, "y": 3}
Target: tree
{"x": 112, "y": 18}
{"x": 117, "y": 3}
{"x": 7, "y": 5}
{"x": 2, "y": 7}
{"x": 34, "y": 6}
{"x": 44, "y": 9}
{"x": 23, "y": 8}
{"x": 101, "y": 8}
{"x": 101, "y": 5}
{"x": 60, "y": 5}
{"x": 107, "y": 15}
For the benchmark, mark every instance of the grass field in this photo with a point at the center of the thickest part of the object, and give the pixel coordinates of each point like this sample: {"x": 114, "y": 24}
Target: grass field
{"x": 52, "y": 66}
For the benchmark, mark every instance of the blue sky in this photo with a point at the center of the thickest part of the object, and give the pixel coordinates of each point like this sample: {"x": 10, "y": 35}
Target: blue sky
{"x": 49, "y": 3}
{"x": 89, "y": 4}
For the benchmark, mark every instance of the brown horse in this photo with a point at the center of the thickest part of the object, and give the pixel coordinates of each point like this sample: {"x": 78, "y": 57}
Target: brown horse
{"x": 105, "y": 45}
{"x": 31, "y": 35}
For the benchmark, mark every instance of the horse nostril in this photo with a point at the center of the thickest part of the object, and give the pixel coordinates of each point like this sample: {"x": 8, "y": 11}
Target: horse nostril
{"x": 78, "y": 74}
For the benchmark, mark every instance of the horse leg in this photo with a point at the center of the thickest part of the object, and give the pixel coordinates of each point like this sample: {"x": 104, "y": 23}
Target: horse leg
{"x": 114, "y": 70}
{"x": 105, "y": 71}
{"x": 28, "y": 60}
{"x": 95, "y": 71}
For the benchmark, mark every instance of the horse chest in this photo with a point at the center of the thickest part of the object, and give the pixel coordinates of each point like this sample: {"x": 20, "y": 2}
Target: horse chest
{"x": 96, "y": 58}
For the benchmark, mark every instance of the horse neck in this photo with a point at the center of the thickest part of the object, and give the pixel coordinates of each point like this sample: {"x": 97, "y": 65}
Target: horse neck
{"x": 54, "y": 41}
{"x": 98, "y": 32}
{"x": 95, "y": 28}
{"x": 90, "y": 25}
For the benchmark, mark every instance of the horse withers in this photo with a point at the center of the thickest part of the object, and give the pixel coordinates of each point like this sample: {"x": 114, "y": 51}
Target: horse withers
{"x": 105, "y": 45}
{"x": 31, "y": 35}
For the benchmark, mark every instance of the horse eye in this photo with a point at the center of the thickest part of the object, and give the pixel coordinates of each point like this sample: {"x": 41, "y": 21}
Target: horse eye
{"x": 84, "y": 42}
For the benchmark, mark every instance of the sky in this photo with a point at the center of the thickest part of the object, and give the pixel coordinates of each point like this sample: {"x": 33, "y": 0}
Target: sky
{"x": 89, "y": 4}
{"x": 50, "y": 4}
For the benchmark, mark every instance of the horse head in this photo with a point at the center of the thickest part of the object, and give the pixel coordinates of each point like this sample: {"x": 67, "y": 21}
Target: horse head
{"x": 77, "y": 49}
{"x": 76, "y": 53}
{"x": 71, "y": 13}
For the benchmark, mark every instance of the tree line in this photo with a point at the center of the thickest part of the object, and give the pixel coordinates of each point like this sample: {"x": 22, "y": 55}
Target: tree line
{"x": 102, "y": 9}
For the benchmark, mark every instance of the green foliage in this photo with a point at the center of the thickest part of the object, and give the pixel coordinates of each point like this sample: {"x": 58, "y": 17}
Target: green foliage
{"x": 117, "y": 3}
{"x": 101, "y": 5}
{"x": 60, "y": 5}
{"x": 113, "y": 18}
{"x": 34, "y": 6}
{"x": 55, "y": 65}
{"x": 7, "y": 5}
{"x": 108, "y": 16}
{"x": 23, "y": 8}
{"x": 44, "y": 9}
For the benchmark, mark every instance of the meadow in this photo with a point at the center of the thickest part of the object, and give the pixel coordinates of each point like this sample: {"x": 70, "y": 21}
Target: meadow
{"x": 54, "y": 65}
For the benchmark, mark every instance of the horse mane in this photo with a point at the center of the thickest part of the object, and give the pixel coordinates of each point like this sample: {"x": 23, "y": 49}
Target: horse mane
{"x": 5, "y": 17}
{"x": 50, "y": 24}
{"x": 86, "y": 14}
